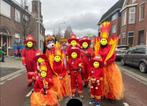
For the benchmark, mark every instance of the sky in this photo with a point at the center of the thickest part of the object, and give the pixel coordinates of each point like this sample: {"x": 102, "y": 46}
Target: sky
{"x": 81, "y": 15}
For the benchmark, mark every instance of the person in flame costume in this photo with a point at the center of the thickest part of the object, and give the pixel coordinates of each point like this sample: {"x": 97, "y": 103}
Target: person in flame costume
{"x": 28, "y": 53}
{"x": 96, "y": 81}
{"x": 86, "y": 55}
{"x": 106, "y": 46}
{"x": 43, "y": 95}
{"x": 75, "y": 66}
{"x": 58, "y": 67}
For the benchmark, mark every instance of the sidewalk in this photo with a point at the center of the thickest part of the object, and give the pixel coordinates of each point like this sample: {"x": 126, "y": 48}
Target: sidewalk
{"x": 10, "y": 62}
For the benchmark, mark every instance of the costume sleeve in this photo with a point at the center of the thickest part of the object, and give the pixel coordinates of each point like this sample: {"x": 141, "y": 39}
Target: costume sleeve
{"x": 63, "y": 72}
{"x": 112, "y": 59}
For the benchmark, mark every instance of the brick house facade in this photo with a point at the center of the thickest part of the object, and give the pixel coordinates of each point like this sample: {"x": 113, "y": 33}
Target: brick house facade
{"x": 133, "y": 23}
{"x": 15, "y": 19}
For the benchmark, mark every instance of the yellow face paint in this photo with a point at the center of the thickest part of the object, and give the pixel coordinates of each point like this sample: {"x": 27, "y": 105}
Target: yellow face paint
{"x": 57, "y": 58}
{"x": 29, "y": 44}
{"x": 74, "y": 55}
{"x": 73, "y": 43}
{"x": 84, "y": 45}
{"x": 96, "y": 64}
{"x": 43, "y": 74}
{"x": 103, "y": 42}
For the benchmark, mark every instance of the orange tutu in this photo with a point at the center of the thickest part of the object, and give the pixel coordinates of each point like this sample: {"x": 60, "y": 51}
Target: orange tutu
{"x": 39, "y": 99}
{"x": 65, "y": 86}
{"x": 113, "y": 83}
{"x": 57, "y": 87}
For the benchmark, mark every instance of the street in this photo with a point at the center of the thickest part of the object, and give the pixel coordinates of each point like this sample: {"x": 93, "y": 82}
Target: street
{"x": 14, "y": 90}
{"x": 135, "y": 90}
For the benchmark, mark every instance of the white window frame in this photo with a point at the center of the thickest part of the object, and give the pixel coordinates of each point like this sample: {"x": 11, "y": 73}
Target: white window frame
{"x": 114, "y": 29}
{"x": 5, "y": 9}
{"x": 140, "y": 17}
{"x": 114, "y": 17}
{"x": 17, "y": 15}
{"x": 124, "y": 18}
{"x": 132, "y": 15}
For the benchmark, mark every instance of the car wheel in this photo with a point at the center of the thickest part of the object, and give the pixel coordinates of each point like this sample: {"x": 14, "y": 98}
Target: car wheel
{"x": 122, "y": 62}
{"x": 142, "y": 67}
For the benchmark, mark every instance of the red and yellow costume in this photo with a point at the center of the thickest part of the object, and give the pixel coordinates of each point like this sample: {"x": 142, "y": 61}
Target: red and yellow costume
{"x": 105, "y": 47}
{"x": 43, "y": 95}
{"x": 86, "y": 55}
{"x": 75, "y": 67}
{"x": 60, "y": 74}
{"x": 96, "y": 76}
{"x": 27, "y": 57}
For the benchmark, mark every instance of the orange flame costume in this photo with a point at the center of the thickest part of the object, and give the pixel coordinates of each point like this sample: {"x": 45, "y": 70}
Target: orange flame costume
{"x": 105, "y": 47}
{"x": 43, "y": 95}
{"x": 60, "y": 78}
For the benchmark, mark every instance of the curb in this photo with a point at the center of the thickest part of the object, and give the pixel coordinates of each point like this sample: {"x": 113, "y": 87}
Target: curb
{"x": 11, "y": 76}
{"x": 135, "y": 76}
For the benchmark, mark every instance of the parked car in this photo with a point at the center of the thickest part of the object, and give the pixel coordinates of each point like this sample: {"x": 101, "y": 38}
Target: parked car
{"x": 136, "y": 56}
{"x": 120, "y": 51}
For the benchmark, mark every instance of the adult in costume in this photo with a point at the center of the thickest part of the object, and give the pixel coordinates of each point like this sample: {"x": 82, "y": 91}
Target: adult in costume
{"x": 28, "y": 53}
{"x": 86, "y": 55}
{"x": 43, "y": 95}
{"x": 96, "y": 81}
{"x": 106, "y": 46}
{"x": 75, "y": 67}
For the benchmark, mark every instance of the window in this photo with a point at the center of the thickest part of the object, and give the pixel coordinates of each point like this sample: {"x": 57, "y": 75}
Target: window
{"x": 141, "y": 39}
{"x": 123, "y": 36}
{"x": 132, "y": 12}
{"x": 114, "y": 17}
{"x": 139, "y": 51}
{"x": 5, "y": 9}
{"x": 133, "y": 1}
{"x": 114, "y": 29}
{"x": 141, "y": 12}
{"x": 130, "y": 38}
{"x": 17, "y": 15}
{"x": 124, "y": 18}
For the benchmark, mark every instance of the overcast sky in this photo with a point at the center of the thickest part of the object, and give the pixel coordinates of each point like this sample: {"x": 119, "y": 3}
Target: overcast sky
{"x": 81, "y": 15}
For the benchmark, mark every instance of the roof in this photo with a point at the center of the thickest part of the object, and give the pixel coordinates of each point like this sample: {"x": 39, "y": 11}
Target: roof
{"x": 115, "y": 8}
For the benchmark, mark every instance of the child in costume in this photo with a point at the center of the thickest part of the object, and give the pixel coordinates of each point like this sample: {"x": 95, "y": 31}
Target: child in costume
{"x": 96, "y": 81}
{"x": 28, "y": 53}
{"x": 86, "y": 55}
{"x": 60, "y": 73}
{"x": 106, "y": 46}
{"x": 75, "y": 67}
{"x": 43, "y": 95}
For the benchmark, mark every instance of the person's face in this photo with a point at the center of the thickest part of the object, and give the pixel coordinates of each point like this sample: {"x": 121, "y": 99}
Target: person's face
{"x": 85, "y": 45}
{"x": 74, "y": 55}
{"x": 73, "y": 43}
{"x": 40, "y": 60}
{"x": 29, "y": 44}
{"x": 96, "y": 64}
{"x": 43, "y": 74}
{"x": 104, "y": 42}
{"x": 57, "y": 58}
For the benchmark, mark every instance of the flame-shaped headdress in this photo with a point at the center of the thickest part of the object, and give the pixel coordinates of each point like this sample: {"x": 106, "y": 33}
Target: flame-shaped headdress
{"x": 105, "y": 29}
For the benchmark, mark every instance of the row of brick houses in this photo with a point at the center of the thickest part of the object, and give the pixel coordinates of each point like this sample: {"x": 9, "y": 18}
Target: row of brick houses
{"x": 129, "y": 21}
{"x": 17, "y": 19}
